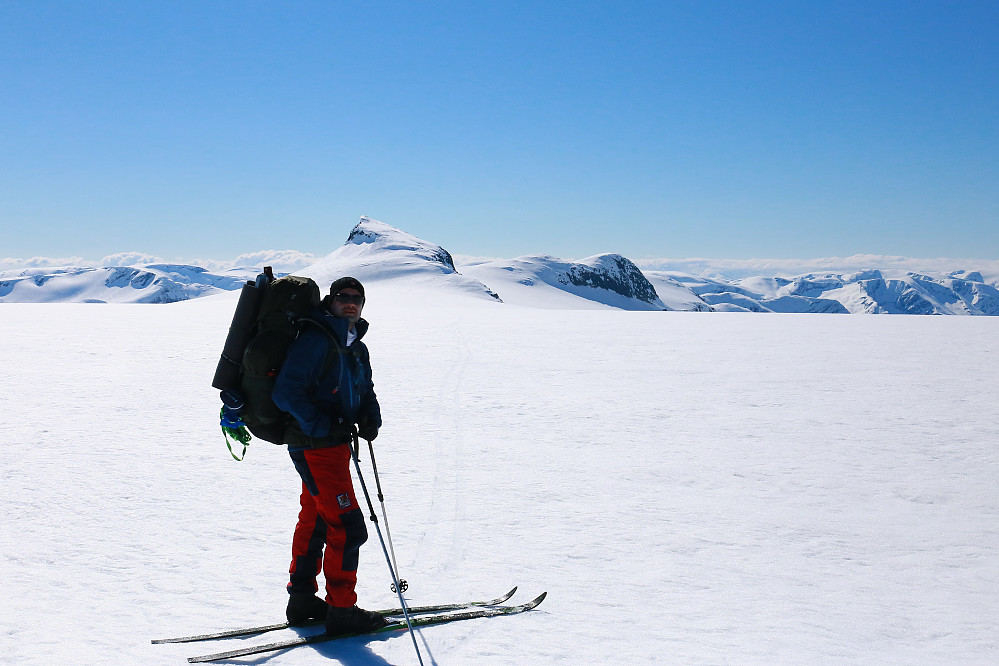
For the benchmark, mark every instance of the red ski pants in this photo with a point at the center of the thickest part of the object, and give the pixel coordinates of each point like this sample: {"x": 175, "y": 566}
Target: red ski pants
{"x": 329, "y": 517}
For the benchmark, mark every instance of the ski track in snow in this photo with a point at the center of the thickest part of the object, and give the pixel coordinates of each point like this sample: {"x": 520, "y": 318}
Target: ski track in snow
{"x": 689, "y": 488}
{"x": 441, "y": 539}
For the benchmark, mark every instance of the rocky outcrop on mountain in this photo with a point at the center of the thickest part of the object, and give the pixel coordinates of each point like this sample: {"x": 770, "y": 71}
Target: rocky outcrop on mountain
{"x": 613, "y": 273}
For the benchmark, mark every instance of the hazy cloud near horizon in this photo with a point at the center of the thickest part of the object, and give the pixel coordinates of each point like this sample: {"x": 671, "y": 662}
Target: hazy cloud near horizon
{"x": 130, "y": 259}
{"x": 286, "y": 261}
{"x": 282, "y": 260}
{"x": 740, "y": 268}
{"x": 13, "y": 263}
{"x": 737, "y": 268}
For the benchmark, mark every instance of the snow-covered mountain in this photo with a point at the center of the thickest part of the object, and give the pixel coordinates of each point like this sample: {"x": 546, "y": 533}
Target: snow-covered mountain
{"x": 871, "y": 292}
{"x": 151, "y": 283}
{"x": 601, "y": 280}
{"x": 373, "y": 252}
{"x": 378, "y": 252}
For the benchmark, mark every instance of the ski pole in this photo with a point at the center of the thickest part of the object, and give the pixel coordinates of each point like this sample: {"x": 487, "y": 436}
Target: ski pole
{"x": 403, "y": 585}
{"x": 355, "y": 446}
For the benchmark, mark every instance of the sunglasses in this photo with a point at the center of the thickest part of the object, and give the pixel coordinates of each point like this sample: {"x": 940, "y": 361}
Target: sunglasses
{"x": 355, "y": 299}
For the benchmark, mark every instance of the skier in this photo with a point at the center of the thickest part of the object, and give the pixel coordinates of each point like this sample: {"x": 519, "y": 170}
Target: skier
{"x": 326, "y": 386}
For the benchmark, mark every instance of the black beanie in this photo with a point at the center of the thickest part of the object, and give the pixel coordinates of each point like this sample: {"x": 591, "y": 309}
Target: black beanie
{"x": 346, "y": 283}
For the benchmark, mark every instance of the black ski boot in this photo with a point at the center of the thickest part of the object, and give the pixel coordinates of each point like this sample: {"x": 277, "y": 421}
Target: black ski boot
{"x": 352, "y": 620}
{"x": 305, "y": 609}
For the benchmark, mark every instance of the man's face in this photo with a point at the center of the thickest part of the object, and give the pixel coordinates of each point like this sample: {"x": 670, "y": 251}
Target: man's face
{"x": 347, "y": 304}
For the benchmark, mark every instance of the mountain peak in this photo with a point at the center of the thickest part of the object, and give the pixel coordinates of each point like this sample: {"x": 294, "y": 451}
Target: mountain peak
{"x": 386, "y": 237}
{"x": 376, "y": 251}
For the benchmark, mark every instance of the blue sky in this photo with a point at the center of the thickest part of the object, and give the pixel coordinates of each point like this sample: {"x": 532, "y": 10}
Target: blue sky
{"x": 719, "y": 129}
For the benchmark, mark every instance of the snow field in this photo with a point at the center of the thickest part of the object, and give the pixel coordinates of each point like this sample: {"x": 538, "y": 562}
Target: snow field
{"x": 689, "y": 488}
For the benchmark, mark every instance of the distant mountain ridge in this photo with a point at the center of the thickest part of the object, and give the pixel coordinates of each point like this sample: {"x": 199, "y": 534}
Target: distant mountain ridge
{"x": 375, "y": 251}
{"x": 863, "y": 292}
{"x": 151, "y": 283}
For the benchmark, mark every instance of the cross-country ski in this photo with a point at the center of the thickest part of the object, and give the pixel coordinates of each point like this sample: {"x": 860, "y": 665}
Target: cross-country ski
{"x": 251, "y": 631}
{"x": 396, "y": 625}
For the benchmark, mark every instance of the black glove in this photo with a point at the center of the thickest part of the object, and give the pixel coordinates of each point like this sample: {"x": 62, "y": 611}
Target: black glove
{"x": 340, "y": 431}
{"x": 366, "y": 429}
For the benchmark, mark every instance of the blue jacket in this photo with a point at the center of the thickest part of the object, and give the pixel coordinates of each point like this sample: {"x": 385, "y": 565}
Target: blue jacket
{"x": 326, "y": 404}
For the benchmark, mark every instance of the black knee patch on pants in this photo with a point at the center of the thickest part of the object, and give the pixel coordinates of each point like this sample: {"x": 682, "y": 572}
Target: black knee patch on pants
{"x": 302, "y": 466}
{"x": 356, "y": 534}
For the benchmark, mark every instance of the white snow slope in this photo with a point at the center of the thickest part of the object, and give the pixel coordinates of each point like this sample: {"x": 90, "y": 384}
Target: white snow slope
{"x": 689, "y": 489}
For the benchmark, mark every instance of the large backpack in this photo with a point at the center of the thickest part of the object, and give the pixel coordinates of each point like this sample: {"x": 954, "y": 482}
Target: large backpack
{"x": 269, "y": 317}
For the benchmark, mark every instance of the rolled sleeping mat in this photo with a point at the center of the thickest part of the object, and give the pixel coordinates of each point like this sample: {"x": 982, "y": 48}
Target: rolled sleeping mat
{"x": 243, "y": 321}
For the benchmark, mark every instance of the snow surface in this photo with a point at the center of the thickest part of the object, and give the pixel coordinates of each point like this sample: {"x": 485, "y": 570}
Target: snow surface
{"x": 689, "y": 489}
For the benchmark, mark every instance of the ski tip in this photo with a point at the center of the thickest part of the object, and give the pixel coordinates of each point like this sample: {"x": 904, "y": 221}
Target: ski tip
{"x": 534, "y": 603}
{"x": 498, "y": 600}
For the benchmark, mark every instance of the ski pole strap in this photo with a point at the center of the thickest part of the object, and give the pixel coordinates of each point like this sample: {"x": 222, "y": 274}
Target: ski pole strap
{"x": 230, "y": 439}
{"x": 234, "y": 432}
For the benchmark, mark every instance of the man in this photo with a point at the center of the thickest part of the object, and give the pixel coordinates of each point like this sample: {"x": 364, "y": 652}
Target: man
{"x": 325, "y": 384}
